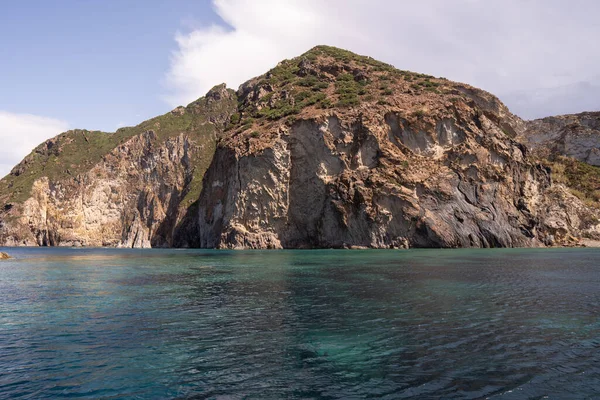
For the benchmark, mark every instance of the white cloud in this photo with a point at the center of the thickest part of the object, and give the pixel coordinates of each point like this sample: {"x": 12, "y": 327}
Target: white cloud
{"x": 509, "y": 47}
{"x": 21, "y": 133}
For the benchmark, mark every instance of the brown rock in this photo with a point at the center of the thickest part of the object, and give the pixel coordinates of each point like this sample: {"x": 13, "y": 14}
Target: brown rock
{"x": 132, "y": 196}
{"x": 424, "y": 168}
{"x": 327, "y": 150}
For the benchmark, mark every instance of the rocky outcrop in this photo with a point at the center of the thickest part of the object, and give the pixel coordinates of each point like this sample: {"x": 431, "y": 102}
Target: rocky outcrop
{"x": 122, "y": 201}
{"x": 135, "y": 195}
{"x": 339, "y": 183}
{"x": 570, "y": 146}
{"x": 566, "y": 220}
{"x": 328, "y": 150}
{"x": 4, "y": 256}
{"x": 576, "y": 136}
{"x": 422, "y": 169}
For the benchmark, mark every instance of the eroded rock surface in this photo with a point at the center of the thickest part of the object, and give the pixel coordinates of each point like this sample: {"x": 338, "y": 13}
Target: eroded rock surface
{"x": 576, "y": 136}
{"x": 135, "y": 195}
{"x": 329, "y": 149}
{"x": 437, "y": 168}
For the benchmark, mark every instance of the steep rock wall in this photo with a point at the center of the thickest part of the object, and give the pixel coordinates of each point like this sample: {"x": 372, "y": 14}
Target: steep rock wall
{"x": 576, "y": 136}
{"x": 132, "y": 188}
{"x": 122, "y": 201}
{"x": 387, "y": 182}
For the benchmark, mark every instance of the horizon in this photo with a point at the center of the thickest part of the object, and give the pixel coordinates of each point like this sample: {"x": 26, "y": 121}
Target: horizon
{"x": 131, "y": 63}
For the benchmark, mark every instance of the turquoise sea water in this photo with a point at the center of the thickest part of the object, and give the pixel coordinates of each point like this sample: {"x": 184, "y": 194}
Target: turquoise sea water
{"x": 161, "y": 324}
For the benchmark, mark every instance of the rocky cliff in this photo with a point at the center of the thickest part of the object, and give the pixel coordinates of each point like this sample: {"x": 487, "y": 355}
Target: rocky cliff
{"x": 576, "y": 136}
{"x": 570, "y": 146}
{"x": 132, "y": 188}
{"x": 329, "y": 149}
{"x": 338, "y": 150}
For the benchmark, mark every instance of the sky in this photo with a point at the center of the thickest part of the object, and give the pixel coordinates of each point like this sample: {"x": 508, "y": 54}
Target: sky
{"x": 101, "y": 65}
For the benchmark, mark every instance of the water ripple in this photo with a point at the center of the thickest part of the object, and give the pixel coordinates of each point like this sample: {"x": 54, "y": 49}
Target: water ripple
{"x": 105, "y": 324}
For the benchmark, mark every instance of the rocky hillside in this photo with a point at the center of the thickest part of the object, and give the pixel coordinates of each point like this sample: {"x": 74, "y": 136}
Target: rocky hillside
{"x": 131, "y": 188}
{"x": 332, "y": 149}
{"x": 329, "y": 149}
{"x": 570, "y": 146}
{"x": 576, "y": 136}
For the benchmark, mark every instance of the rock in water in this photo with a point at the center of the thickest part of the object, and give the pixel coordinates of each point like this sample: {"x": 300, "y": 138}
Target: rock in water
{"x": 4, "y": 256}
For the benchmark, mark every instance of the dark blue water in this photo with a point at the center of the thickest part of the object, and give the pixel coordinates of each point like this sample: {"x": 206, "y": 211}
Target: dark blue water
{"x": 159, "y": 324}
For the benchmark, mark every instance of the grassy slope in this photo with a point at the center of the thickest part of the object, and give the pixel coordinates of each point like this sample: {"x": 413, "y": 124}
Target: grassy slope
{"x": 581, "y": 178}
{"x": 310, "y": 90}
{"x": 77, "y": 151}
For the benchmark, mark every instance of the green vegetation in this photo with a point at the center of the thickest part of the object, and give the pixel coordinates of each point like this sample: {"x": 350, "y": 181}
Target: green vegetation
{"x": 419, "y": 113}
{"x": 349, "y": 89}
{"x": 346, "y": 57}
{"x": 325, "y": 103}
{"x": 248, "y": 122}
{"x": 313, "y": 82}
{"x": 423, "y": 82}
{"x": 291, "y": 93}
{"x": 296, "y": 85}
{"x": 285, "y": 72}
{"x": 301, "y": 96}
{"x": 291, "y": 106}
{"x": 279, "y": 110}
{"x": 581, "y": 178}
{"x": 428, "y": 84}
{"x": 75, "y": 152}
{"x": 235, "y": 118}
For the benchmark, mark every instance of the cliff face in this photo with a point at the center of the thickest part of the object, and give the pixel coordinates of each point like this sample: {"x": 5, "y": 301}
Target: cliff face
{"x": 122, "y": 201}
{"x": 330, "y": 149}
{"x": 378, "y": 158}
{"x": 135, "y": 194}
{"x": 576, "y": 136}
{"x": 570, "y": 146}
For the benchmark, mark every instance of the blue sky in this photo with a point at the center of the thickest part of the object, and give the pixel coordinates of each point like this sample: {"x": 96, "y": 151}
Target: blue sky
{"x": 95, "y": 64}
{"x": 103, "y": 64}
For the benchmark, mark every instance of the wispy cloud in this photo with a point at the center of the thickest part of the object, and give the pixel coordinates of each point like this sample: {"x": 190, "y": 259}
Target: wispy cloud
{"x": 21, "y": 133}
{"x": 504, "y": 46}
